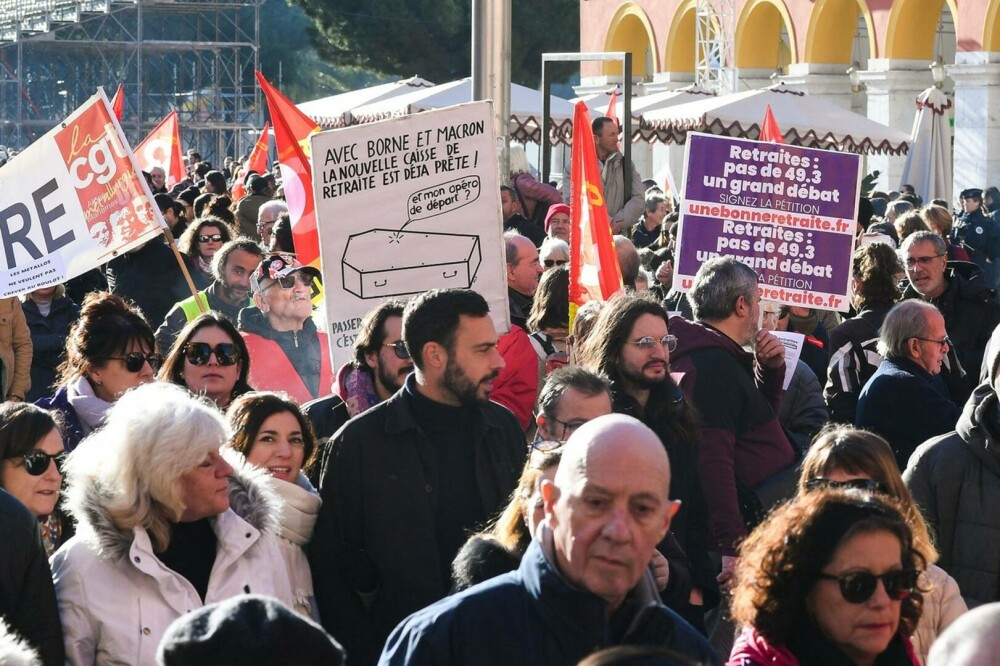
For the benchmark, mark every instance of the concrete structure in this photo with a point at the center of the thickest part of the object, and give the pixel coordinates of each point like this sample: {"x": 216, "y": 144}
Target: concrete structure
{"x": 810, "y": 44}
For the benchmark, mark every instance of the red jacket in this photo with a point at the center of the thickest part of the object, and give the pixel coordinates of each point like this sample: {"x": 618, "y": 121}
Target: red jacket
{"x": 516, "y": 388}
{"x": 270, "y": 369}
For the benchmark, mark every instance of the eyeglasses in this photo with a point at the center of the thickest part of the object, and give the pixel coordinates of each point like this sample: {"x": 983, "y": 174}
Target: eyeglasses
{"x": 37, "y": 462}
{"x": 923, "y": 261}
{"x": 944, "y": 342}
{"x": 546, "y": 445}
{"x": 199, "y": 353}
{"x": 288, "y": 281}
{"x": 135, "y": 360}
{"x": 549, "y": 263}
{"x": 399, "y": 349}
{"x": 569, "y": 427}
{"x": 646, "y": 344}
{"x": 215, "y": 238}
{"x": 858, "y": 587}
{"x": 868, "y": 485}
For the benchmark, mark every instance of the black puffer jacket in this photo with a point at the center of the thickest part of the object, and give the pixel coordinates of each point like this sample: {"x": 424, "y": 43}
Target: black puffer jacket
{"x": 48, "y": 339}
{"x": 151, "y": 278}
{"x": 27, "y": 596}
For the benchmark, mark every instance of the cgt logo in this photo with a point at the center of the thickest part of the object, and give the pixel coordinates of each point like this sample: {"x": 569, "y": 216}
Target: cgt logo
{"x": 594, "y": 196}
{"x": 97, "y": 163}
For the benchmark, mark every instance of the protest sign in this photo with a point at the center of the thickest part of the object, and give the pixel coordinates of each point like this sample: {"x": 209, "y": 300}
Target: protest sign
{"x": 71, "y": 201}
{"x": 786, "y": 211}
{"x": 404, "y": 206}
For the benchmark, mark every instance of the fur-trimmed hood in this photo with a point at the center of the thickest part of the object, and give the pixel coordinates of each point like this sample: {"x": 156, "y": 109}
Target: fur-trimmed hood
{"x": 250, "y": 497}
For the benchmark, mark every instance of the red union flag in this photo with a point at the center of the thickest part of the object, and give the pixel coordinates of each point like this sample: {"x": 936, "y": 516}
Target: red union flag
{"x": 769, "y": 130}
{"x": 118, "y": 102}
{"x": 594, "y": 273}
{"x": 292, "y": 130}
{"x": 162, "y": 148}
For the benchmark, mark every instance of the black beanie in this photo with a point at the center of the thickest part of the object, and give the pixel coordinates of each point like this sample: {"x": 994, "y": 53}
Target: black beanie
{"x": 247, "y": 630}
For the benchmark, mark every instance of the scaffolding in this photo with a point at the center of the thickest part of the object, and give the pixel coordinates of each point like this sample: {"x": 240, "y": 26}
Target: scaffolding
{"x": 715, "y": 67}
{"x": 194, "y": 56}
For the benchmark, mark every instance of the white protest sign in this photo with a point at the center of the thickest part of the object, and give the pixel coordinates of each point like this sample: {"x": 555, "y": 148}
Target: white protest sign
{"x": 404, "y": 206}
{"x": 71, "y": 201}
{"x": 793, "y": 343}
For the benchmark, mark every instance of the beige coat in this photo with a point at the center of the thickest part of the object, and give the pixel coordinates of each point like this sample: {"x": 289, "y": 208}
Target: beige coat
{"x": 15, "y": 348}
{"x": 942, "y": 606}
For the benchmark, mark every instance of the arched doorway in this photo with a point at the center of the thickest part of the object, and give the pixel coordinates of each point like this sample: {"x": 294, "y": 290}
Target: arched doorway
{"x": 765, "y": 37}
{"x": 631, "y": 31}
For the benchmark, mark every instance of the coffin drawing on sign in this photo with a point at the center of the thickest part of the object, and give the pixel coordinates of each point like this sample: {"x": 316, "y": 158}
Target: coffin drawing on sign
{"x": 387, "y": 262}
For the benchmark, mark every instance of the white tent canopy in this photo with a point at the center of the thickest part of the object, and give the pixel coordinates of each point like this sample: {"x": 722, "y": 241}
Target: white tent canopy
{"x": 804, "y": 120}
{"x": 525, "y": 107}
{"x": 598, "y": 105}
{"x": 928, "y": 164}
{"x": 335, "y": 111}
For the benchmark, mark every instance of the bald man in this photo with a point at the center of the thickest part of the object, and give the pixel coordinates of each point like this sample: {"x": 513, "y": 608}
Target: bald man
{"x": 584, "y": 584}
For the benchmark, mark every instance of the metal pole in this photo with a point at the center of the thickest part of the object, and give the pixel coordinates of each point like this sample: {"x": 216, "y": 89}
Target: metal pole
{"x": 491, "y": 69}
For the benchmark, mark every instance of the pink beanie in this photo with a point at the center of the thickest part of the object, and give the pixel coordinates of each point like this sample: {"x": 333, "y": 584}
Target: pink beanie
{"x": 553, "y": 209}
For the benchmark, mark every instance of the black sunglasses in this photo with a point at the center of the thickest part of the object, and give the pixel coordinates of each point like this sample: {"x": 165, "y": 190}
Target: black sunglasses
{"x": 135, "y": 360}
{"x": 549, "y": 263}
{"x": 36, "y": 462}
{"x": 199, "y": 353}
{"x": 868, "y": 485}
{"x": 288, "y": 281}
{"x": 399, "y": 349}
{"x": 216, "y": 238}
{"x": 858, "y": 587}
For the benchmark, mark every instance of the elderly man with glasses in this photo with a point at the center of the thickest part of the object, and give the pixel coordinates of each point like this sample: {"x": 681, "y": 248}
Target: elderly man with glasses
{"x": 905, "y": 401}
{"x": 967, "y": 302}
{"x": 287, "y": 352}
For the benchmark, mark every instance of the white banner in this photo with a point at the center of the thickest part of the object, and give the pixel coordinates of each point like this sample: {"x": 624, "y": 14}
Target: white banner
{"x": 71, "y": 201}
{"x": 404, "y": 206}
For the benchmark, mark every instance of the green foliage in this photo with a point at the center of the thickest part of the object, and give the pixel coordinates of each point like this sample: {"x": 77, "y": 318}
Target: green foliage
{"x": 868, "y": 183}
{"x": 433, "y": 38}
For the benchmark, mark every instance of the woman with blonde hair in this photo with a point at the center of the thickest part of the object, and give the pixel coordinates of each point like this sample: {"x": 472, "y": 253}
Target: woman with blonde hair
{"x": 164, "y": 525}
{"x": 843, "y": 457}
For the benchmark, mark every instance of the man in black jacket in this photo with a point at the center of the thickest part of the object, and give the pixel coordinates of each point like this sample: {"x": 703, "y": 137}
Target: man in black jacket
{"x": 27, "y": 596}
{"x": 409, "y": 478}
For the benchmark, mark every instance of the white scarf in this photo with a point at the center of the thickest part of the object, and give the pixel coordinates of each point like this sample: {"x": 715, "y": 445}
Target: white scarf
{"x": 300, "y": 508}
{"x": 90, "y": 409}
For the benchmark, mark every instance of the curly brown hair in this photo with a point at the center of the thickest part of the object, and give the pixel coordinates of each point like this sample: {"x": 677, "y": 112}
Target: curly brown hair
{"x": 781, "y": 560}
{"x": 876, "y": 267}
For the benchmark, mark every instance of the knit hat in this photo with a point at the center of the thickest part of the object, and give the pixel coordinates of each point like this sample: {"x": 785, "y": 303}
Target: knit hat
{"x": 247, "y": 630}
{"x": 553, "y": 209}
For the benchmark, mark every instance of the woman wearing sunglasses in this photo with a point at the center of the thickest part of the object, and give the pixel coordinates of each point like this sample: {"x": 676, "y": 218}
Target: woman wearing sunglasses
{"x": 31, "y": 448}
{"x": 272, "y": 434}
{"x": 843, "y": 457}
{"x": 109, "y": 351}
{"x": 553, "y": 252}
{"x": 210, "y": 358}
{"x": 199, "y": 243}
{"x": 829, "y": 578}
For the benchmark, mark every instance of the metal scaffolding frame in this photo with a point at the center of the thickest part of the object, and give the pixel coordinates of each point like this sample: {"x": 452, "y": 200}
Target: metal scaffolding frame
{"x": 715, "y": 36}
{"x": 194, "y": 56}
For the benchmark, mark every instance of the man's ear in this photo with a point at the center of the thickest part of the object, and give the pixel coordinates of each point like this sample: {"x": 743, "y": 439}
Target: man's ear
{"x": 672, "y": 510}
{"x": 435, "y": 355}
{"x": 550, "y": 495}
{"x": 371, "y": 359}
{"x": 542, "y": 423}
{"x": 258, "y": 300}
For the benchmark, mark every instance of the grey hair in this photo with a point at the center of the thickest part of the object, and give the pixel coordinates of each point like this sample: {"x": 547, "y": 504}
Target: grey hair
{"x": 653, "y": 200}
{"x": 551, "y": 245}
{"x": 907, "y": 319}
{"x": 276, "y": 206}
{"x": 718, "y": 284}
{"x": 518, "y": 160}
{"x": 567, "y": 378}
{"x": 510, "y": 246}
{"x": 940, "y": 247}
{"x": 154, "y": 434}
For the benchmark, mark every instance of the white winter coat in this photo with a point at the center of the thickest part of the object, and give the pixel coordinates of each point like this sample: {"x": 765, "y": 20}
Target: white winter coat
{"x": 299, "y": 510}
{"x": 116, "y": 599}
{"x": 942, "y": 606}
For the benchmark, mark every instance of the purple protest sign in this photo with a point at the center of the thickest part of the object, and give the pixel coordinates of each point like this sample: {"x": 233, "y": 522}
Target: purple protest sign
{"x": 786, "y": 211}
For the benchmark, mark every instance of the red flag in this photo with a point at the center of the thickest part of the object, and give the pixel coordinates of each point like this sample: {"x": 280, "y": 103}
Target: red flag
{"x": 594, "y": 273}
{"x": 118, "y": 102}
{"x": 612, "y": 112}
{"x": 769, "y": 130}
{"x": 162, "y": 147}
{"x": 256, "y": 162}
{"x": 292, "y": 130}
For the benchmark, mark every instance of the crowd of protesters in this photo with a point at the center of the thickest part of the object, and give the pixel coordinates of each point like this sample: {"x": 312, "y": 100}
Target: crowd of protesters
{"x": 186, "y": 479}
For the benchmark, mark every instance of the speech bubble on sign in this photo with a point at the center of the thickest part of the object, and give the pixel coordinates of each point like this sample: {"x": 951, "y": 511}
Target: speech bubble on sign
{"x": 441, "y": 199}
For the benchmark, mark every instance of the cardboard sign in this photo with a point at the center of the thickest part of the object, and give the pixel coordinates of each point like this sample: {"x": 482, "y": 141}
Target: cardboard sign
{"x": 787, "y": 212}
{"x": 71, "y": 201}
{"x": 404, "y": 206}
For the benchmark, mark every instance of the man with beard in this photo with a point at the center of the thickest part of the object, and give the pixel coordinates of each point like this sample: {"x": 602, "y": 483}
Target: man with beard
{"x": 737, "y": 394}
{"x": 229, "y": 293}
{"x": 409, "y": 478}
{"x": 630, "y": 344}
